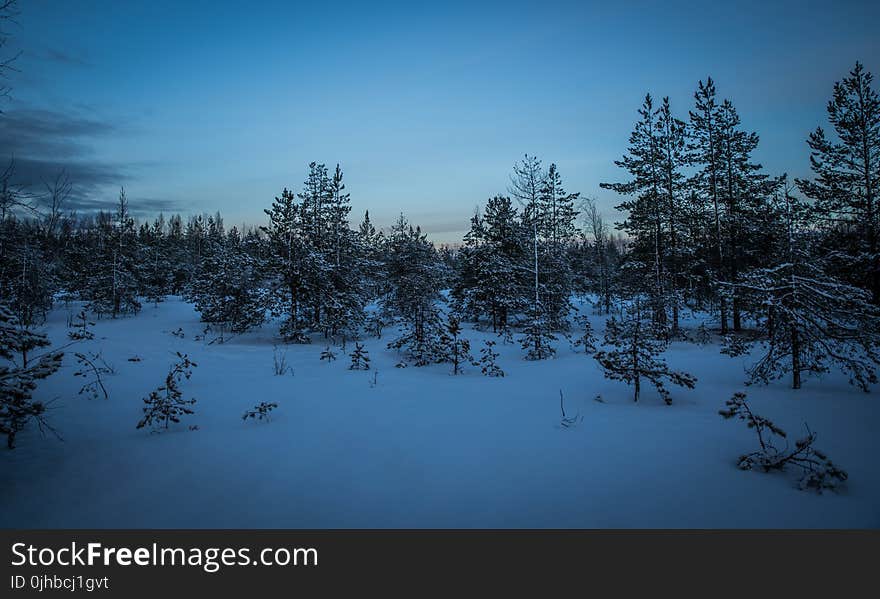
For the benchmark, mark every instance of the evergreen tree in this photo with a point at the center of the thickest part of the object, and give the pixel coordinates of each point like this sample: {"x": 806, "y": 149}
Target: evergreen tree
{"x": 537, "y": 338}
{"x": 586, "y": 339}
{"x": 226, "y": 290}
{"x": 527, "y": 182}
{"x": 847, "y": 171}
{"x": 637, "y": 355}
{"x": 412, "y": 294}
{"x": 371, "y": 242}
{"x": 20, "y": 370}
{"x": 672, "y": 144}
{"x": 556, "y": 225}
{"x": 360, "y": 358}
{"x": 327, "y": 354}
{"x": 155, "y": 266}
{"x": 288, "y": 264}
{"x": 166, "y": 404}
{"x": 813, "y": 320}
{"x": 744, "y": 189}
{"x": 491, "y": 280}
{"x": 112, "y": 284}
{"x": 647, "y": 222}
{"x": 459, "y": 348}
{"x": 27, "y": 276}
{"x": 489, "y": 360}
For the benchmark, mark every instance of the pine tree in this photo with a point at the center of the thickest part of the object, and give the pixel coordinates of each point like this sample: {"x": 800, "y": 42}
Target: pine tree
{"x": 20, "y": 370}
{"x": 743, "y": 190}
{"x": 647, "y": 220}
{"x": 537, "y": 338}
{"x": 586, "y": 339}
{"x": 637, "y": 355}
{"x": 360, "y": 358}
{"x": 459, "y": 348}
{"x": 847, "y": 172}
{"x": 818, "y": 472}
{"x": 672, "y": 144}
{"x": 704, "y": 146}
{"x": 346, "y": 290}
{"x": 27, "y": 275}
{"x": 371, "y": 242}
{"x": 556, "y": 225}
{"x": 80, "y": 327}
{"x": 547, "y": 300}
{"x": 412, "y": 294}
{"x": 489, "y": 360}
{"x": 328, "y": 355}
{"x": 166, "y": 404}
{"x": 525, "y": 186}
{"x": 813, "y": 320}
{"x": 287, "y": 264}
{"x": 112, "y": 285}
{"x": 156, "y": 273}
{"x": 260, "y": 412}
{"x": 491, "y": 280}
{"x": 226, "y": 290}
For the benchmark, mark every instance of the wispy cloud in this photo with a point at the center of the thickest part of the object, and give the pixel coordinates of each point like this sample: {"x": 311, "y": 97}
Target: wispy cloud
{"x": 44, "y": 143}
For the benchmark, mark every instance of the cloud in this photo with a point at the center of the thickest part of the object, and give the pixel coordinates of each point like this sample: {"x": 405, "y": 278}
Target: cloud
{"x": 44, "y": 142}
{"x": 35, "y": 133}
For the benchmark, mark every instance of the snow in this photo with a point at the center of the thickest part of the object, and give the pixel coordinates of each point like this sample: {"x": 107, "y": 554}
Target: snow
{"x": 421, "y": 448}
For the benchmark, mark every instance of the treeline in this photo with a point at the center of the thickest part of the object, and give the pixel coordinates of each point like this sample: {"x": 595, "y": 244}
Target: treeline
{"x": 790, "y": 266}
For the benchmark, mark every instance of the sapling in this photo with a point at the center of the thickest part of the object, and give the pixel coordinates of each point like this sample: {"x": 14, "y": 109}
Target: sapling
{"x": 260, "y": 411}
{"x": 81, "y": 330}
{"x": 360, "y": 359}
{"x": 818, "y": 472}
{"x": 488, "y": 357}
{"x": 166, "y": 404}
{"x": 93, "y": 367}
{"x": 328, "y": 355}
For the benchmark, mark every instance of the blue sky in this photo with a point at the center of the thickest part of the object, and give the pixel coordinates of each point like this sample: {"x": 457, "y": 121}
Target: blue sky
{"x": 204, "y": 106}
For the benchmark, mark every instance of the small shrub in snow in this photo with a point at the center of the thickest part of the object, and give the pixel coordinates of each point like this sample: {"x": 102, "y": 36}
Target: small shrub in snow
{"x": 736, "y": 345}
{"x": 93, "y": 368}
{"x": 279, "y": 362}
{"x": 587, "y": 339}
{"x": 818, "y": 472}
{"x": 292, "y": 332}
{"x": 360, "y": 359}
{"x": 488, "y": 358}
{"x": 328, "y": 355}
{"x": 166, "y": 404}
{"x": 80, "y": 327}
{"x": 702, "y": 336}
{"x": 260, "y": 411}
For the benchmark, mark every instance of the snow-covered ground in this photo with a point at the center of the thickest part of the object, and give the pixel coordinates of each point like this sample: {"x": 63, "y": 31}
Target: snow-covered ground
{"x": 421, "y": 448}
